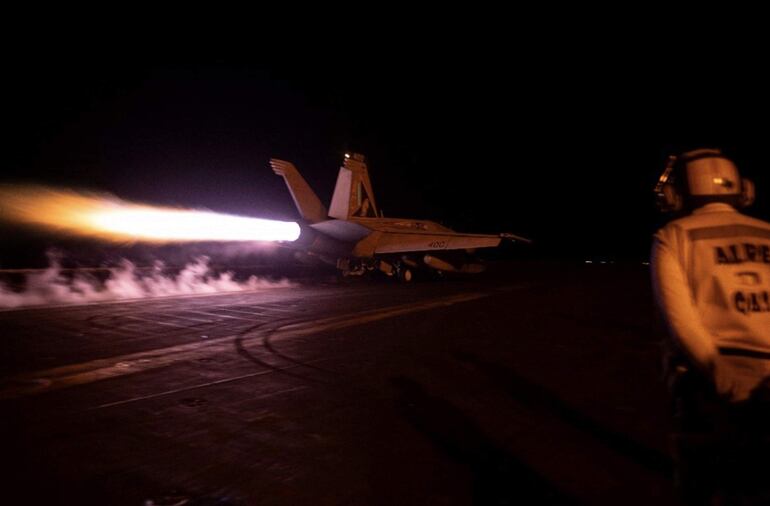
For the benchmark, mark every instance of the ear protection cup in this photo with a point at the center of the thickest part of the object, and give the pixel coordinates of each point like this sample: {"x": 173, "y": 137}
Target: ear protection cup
{"x": 747, "y": 192}
{"x": 669, "y": 199}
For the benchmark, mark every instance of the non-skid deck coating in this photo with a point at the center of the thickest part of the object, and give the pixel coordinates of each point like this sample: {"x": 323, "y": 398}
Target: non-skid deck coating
{"x": 530, "y": 384}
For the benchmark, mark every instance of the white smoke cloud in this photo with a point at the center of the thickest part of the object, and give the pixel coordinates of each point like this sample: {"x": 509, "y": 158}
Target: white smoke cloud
{"x": 125, "y": 281}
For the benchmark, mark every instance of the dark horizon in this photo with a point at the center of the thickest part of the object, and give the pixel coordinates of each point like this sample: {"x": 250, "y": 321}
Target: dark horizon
{"x": 566, "y": 155}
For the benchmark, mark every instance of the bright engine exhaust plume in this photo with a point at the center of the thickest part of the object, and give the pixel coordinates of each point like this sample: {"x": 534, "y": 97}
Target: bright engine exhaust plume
{"x": 108, "y": 217}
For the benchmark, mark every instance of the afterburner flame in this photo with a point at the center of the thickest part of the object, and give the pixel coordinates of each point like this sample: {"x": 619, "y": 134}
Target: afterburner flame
{"x": 108, "y": 217}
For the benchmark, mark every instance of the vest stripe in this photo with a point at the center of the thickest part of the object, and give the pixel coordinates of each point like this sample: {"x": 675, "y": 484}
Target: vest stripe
{"x": 727, "y": 231}
{"x": 740, "y": 352}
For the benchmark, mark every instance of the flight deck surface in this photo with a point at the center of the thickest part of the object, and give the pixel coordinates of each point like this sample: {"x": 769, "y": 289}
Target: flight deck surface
{"x": 531, "y": 381}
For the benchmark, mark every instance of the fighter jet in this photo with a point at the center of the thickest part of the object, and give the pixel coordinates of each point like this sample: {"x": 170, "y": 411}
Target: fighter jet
{"x": 357, "y": 238}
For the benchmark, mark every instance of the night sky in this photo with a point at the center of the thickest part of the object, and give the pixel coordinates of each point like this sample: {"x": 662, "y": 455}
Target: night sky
{"x": 562, "y": 146}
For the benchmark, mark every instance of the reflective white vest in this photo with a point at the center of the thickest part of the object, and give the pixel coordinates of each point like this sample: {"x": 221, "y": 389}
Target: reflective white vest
{"x": 711, "y": 275}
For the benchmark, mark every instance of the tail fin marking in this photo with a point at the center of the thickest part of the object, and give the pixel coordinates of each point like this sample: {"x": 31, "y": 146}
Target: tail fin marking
{"x": 353, "y": 196}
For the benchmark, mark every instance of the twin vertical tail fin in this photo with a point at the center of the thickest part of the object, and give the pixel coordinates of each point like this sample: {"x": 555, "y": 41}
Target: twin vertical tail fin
{"x": 307, "y": 202}
{"x": 353, "y": 196}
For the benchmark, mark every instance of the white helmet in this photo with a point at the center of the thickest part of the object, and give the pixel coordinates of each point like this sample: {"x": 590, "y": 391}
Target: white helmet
{"x": 698, "y": 177}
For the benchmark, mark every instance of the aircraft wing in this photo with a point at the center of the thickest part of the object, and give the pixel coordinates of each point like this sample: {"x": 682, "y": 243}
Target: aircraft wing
{"x": 405, "y": 242}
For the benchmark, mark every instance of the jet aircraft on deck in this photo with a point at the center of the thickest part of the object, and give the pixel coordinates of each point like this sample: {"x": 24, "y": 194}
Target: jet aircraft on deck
{"x": 354, "y": 235}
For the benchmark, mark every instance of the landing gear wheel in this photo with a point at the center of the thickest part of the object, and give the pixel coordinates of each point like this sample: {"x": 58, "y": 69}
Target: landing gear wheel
{"x": 405, "y": 274}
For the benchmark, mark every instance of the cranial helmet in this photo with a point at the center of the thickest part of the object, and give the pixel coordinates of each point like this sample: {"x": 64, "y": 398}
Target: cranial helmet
{"x": 698, "y": 177}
